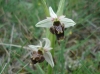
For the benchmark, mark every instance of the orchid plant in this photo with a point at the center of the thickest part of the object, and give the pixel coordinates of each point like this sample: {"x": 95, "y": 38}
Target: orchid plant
{"x": 56, "y": 24}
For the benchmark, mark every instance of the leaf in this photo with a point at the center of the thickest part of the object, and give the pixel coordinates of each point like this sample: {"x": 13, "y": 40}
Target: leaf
{"x": 60, "y": 7}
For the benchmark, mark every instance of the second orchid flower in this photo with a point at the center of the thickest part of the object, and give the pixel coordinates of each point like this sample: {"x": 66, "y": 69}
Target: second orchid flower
{"x": 41, "y": 53}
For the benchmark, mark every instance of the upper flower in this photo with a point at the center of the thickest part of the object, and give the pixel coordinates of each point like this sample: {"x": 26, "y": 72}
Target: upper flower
{"x": 43, "y": 50}
{"x": 53, "y": 17}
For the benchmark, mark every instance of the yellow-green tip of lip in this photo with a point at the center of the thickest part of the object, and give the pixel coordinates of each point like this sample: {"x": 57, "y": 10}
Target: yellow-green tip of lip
{"x": 56, "y": 20}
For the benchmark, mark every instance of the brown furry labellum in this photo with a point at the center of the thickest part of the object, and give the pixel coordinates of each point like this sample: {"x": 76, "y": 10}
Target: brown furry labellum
{"x": 58, "y": 30}
{"x": 37, "y": 57}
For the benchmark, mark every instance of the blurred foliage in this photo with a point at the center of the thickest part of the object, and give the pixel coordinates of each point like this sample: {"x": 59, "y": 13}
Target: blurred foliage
{"x": 82, "y": 41}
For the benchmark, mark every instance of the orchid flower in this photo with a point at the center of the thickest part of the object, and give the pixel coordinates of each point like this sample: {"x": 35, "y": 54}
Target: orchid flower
{"x": 44, "y": 49}
{"x": 57, "y": 24}
{"x": 53, "y": 17}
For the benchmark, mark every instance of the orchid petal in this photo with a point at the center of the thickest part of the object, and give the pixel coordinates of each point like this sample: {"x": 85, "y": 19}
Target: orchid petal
{"x": 67, "y": 22}
{"x": 33, "y": 47}
{"x": 52, "y": 13}
{"x": 61, "y": 17}
{"x": 47, "y": 49}
{"x": 50, "y": 18}
{"x": 47, "y": 44}
{"x": 40, "y": 44}
{"x": 48, "y": 58}
{"x": 45, "y": 23}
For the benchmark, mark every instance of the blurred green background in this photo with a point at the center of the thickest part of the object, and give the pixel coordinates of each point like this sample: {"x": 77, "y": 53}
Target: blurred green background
{"x": 81, "y": 54}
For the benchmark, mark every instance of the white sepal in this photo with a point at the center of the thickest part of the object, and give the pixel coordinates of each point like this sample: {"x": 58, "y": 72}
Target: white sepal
{"x": 47, "y": 46}
{"x": 48, "y": 58}
{"x": 45, "y": 23}
{"x": 47, "y": 43}
{"x": 52, "y": 13}
{"x": 40, "y": 43}
{"x": 33, "y": 47}
{"x": 61, "y": 17}
{"x": 67, "y": 22}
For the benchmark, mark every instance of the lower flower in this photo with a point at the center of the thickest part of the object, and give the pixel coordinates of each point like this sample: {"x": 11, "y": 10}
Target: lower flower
{"x": 37, "y": 57}
{"x": 41, "y": 53}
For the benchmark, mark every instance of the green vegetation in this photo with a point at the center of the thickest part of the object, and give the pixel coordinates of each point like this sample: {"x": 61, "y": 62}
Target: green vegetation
{"x": 79, "y": 53}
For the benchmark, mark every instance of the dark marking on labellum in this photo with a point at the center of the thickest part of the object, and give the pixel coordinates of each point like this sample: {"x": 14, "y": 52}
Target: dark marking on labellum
{"x": 37, "y": 57}
{"x": 58, "y": 30}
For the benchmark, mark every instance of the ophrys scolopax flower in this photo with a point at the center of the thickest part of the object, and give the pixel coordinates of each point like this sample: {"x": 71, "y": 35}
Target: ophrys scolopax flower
{"x": 41, "y": 53}
{"x": 56, "y": 23}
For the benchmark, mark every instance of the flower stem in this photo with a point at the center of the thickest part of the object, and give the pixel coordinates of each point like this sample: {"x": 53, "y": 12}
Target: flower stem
{"x": 51, "y": 37}
{"x": 41, "y": 70}
{"x": 50, "y": 70}
{"x": 45, "y": 7}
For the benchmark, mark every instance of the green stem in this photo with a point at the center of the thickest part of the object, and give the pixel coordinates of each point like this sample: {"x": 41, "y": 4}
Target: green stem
{"x": 50, "y": 36}
{"x": 45, "y": 7}
{"x": 41, "y": 70}
{"x": 52, "y": 39}
{"x": 50, "y": 70}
